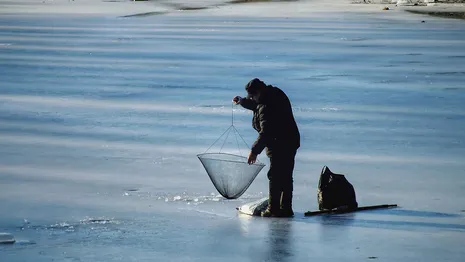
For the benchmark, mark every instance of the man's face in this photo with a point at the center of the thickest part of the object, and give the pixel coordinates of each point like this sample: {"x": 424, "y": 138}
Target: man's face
{"x": 254, "y": 96}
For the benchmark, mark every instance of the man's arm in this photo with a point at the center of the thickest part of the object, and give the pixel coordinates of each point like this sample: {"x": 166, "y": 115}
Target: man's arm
{"x": 248, "y": 104}
{"x": 265, "y": 131}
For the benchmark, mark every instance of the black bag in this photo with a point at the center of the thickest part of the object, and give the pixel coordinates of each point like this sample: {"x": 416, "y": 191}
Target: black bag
{"x": 334, "y": 191}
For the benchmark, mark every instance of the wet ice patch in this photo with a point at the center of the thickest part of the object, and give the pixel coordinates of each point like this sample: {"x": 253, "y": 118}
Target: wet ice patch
{"x": 198, "y": 199}
{"x": 101, "y": 221}
{"x": 195, "y": 200}
{"x": 354, "y": 39}
{"x": 62, "y": 226}
{"x": 71, "y": 226}
{"x": 176, "y": 198}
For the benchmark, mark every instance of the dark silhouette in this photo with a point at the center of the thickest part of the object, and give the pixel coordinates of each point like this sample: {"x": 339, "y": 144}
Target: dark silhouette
{"x": 278, "y": 133}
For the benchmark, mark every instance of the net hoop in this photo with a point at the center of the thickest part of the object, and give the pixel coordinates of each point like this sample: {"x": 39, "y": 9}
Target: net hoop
{"x": 210, "y": 156}
{"x": 221, "y": 181}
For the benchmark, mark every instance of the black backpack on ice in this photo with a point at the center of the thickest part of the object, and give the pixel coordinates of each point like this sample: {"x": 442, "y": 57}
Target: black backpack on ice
{"x": 334, "y": 191}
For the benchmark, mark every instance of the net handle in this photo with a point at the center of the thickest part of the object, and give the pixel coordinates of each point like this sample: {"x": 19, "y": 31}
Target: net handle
{"x": 227, "y": 131}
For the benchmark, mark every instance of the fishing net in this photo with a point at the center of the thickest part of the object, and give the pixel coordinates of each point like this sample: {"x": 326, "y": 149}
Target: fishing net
{"x": 230, "y": 173}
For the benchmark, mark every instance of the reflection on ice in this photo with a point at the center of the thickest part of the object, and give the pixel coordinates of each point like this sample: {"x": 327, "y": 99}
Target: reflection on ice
{"x": 416, "y": 213}
{"x": 409, "y": 226}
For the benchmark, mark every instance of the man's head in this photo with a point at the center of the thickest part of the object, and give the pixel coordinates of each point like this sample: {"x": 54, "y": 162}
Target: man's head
{"x": 254, "y": 88}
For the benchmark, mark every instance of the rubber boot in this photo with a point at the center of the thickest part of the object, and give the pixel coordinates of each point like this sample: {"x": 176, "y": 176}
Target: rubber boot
{"x": 273, "y": 203}
{"x": 286, "y": 204}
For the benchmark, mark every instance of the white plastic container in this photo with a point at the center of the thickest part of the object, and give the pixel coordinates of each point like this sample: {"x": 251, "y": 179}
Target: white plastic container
{"x": 6, "y": 238}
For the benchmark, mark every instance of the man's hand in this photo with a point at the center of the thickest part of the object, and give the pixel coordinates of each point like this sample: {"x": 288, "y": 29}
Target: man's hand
{"x": 237, "y": 100}
{"x": 252, "y": 158}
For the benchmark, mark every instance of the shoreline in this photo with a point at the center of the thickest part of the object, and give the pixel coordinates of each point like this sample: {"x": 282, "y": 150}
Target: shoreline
{"x": 442, "y": 14}
{"x": 442, "y": 10}
{"x": 258, "y": 8}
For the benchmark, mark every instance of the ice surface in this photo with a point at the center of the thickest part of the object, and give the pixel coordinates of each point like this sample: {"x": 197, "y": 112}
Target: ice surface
{"x": 102, "y": 116}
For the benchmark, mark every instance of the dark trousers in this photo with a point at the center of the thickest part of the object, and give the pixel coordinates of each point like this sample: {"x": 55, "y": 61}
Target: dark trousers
{"x": 281, "y": 179}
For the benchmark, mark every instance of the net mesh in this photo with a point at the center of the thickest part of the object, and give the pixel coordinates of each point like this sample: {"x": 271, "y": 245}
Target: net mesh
{"x": 231, "y": 174}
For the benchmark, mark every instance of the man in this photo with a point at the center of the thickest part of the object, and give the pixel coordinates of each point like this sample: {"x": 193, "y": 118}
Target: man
{"x": 278, "y": 133}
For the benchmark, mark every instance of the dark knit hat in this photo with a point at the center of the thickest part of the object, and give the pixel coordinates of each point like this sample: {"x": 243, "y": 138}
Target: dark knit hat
{"x": 253, "y": 85}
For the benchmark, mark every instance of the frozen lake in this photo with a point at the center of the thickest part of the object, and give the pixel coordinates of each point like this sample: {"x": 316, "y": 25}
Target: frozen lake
{"x": 101, "y": 118}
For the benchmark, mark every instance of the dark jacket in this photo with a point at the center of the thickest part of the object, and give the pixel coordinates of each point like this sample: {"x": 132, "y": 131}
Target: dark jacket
{"x": 274, "y": 121}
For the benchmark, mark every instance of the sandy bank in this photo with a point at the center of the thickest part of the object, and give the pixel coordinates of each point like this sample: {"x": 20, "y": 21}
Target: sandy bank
{"x": 445, "y": 10}
{"x": 101, "y": 7}
{"x": 248, "y": 8}
{"x": 255, "y": 8}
